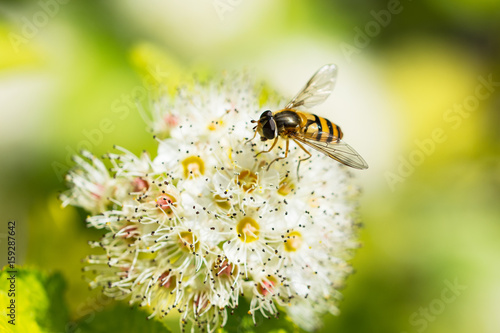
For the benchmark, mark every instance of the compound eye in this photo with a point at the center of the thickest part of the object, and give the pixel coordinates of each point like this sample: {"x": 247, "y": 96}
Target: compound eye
{"x": 269, "y": 129}
{"x": 266, "y": 114}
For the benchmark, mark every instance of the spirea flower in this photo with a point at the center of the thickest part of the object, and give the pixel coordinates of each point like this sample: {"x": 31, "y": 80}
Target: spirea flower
{"x": 205, "y": 223}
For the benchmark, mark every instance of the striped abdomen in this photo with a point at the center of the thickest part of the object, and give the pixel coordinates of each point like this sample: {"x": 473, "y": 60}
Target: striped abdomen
{"x": 320, "y": 128}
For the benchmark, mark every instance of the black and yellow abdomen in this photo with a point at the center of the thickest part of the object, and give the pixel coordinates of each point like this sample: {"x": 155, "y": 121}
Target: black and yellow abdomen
{"x": 319, "y": 128}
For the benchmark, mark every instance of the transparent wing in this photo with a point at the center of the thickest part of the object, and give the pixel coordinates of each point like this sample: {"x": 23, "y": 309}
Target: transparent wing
{"x": 337, "y": 149}
{"x": 317, "y": 90}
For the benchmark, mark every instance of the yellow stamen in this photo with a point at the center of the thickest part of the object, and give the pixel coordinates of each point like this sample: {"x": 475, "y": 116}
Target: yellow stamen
{"x": 248, "y": 228}
{"x": 215, "y": 124}
{"x": 286, "y": 187}
{"x": 293, "y": 241}
{"x": 188, "y": 241}
{"x": 222, "y": 202}
{"x": 193, "y": 165}
{"x": 247, "y": 180}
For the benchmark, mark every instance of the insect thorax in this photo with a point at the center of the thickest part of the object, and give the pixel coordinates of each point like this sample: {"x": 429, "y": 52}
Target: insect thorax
{"x": 287, "y": 119}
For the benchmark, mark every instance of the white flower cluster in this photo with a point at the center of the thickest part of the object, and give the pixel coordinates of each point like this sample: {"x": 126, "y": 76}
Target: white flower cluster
{"x": 205, "y": 222}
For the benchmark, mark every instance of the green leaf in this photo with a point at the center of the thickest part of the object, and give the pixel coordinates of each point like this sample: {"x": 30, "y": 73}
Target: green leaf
{"x": 242, "y": 322}
{"x": 39, "y": 301}
{"x": 52, "y": 228}
{"x": 121, "y": 318}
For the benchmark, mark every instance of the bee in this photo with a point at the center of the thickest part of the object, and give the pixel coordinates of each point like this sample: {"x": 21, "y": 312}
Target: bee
{"x": 307, "y": 129}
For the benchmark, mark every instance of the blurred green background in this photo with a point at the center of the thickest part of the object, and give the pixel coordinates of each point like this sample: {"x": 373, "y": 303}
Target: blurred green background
{"x": 411, "y": 98}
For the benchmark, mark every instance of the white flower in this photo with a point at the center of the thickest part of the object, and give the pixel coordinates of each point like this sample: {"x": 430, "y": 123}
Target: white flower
{"x": 205, "y": 222}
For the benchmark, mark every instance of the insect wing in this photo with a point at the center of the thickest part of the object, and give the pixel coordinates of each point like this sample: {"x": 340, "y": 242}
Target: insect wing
{"x": 317, "y": 90}
{"x": 337, "y": 149}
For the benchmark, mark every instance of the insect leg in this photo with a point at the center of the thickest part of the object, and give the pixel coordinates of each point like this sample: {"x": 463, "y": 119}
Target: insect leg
{"x": 267, "y": 151}
{"x": 280, "y": 158}
{"x": 254, "y": 135}
{"x": 302, "y": 159}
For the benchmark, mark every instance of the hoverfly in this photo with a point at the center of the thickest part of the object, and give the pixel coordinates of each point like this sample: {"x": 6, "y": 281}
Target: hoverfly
{"x": 307, "y": 128}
